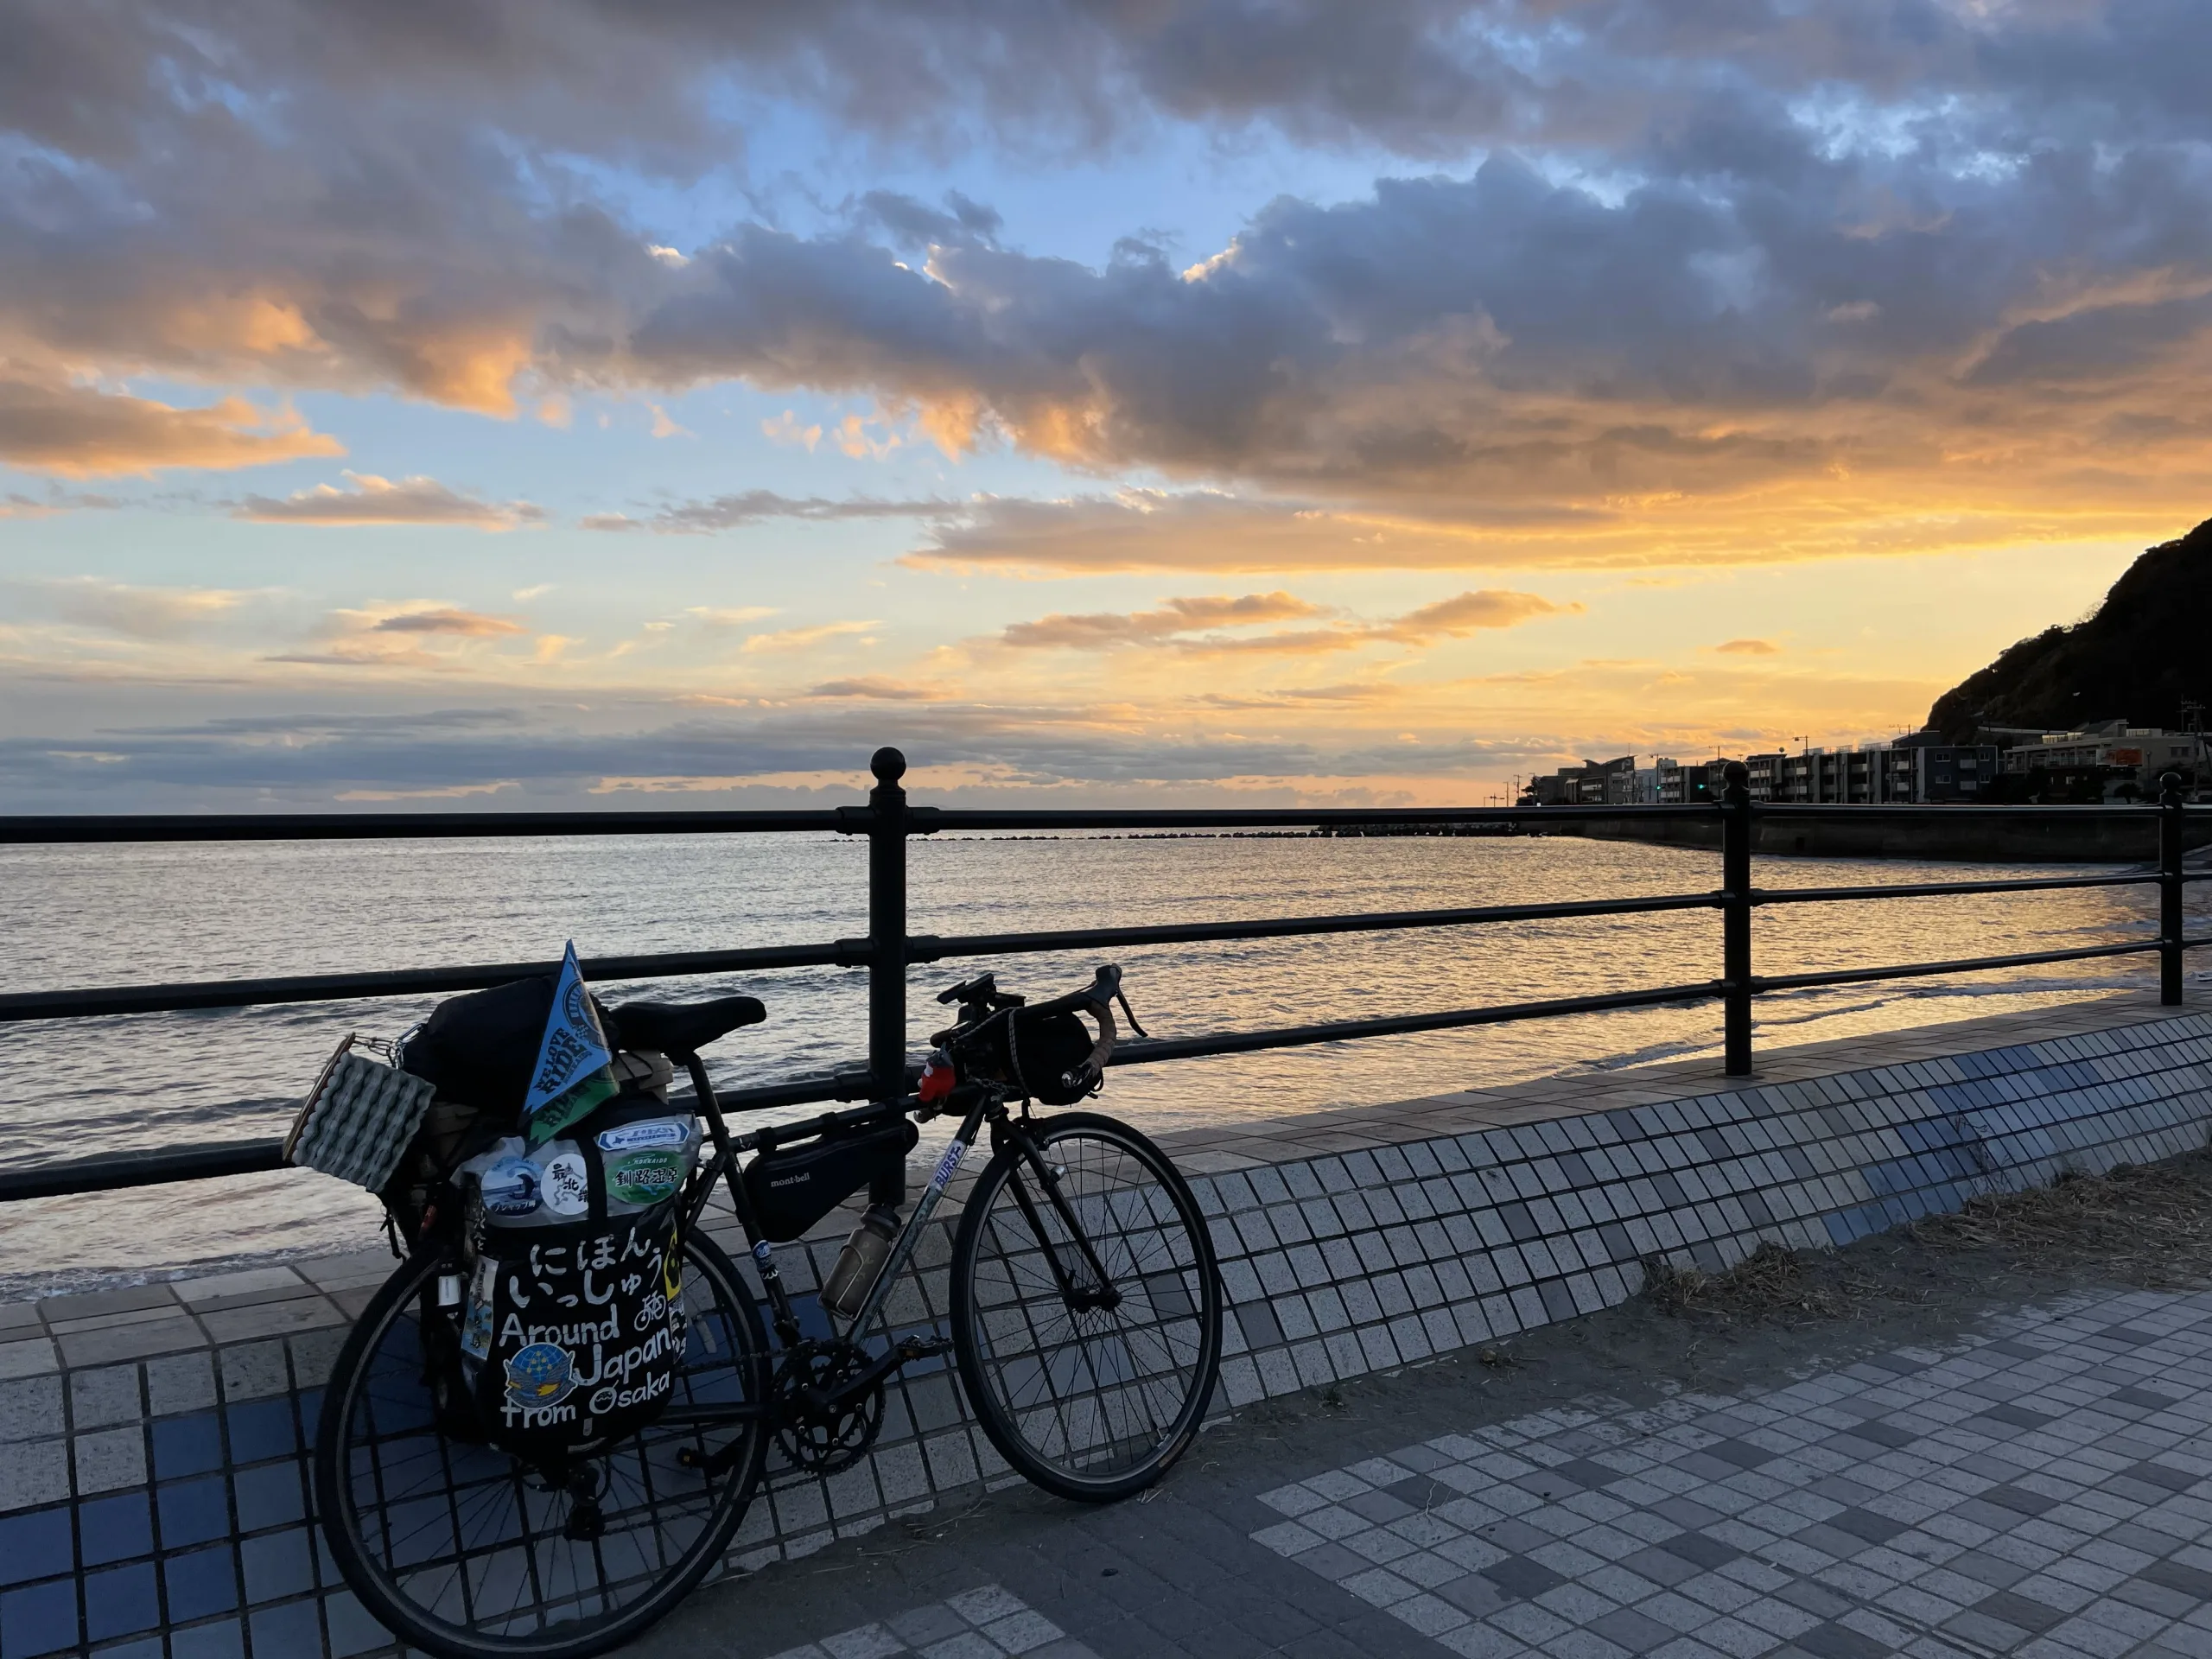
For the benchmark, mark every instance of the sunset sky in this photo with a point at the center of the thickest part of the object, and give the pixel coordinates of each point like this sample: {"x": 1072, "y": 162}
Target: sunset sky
{"x": 530, "y": 403}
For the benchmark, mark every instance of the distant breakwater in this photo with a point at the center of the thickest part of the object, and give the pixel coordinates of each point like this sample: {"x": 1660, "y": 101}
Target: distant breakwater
{"x": 1969, "y": 837}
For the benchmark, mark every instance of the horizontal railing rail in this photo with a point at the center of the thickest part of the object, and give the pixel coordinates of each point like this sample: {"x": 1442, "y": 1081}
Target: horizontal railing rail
{"x": 888, "y": 950}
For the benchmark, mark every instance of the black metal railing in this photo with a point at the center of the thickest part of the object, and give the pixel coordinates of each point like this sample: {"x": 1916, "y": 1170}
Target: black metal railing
{"x": 889, "y": 822}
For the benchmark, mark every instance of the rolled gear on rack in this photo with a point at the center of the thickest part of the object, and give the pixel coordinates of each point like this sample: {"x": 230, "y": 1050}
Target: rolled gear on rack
{"x": 358, "y": 1119}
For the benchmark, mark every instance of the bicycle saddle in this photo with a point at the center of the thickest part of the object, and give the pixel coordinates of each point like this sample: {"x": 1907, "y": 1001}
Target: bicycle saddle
{"x": 681, "y": 1029}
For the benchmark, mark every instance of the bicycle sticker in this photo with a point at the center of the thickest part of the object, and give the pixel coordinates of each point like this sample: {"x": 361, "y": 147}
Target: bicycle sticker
{"x": 568, "y": 1189}
{"x": 634, "y": 1137}
{"x": 762, "y": 1251}
{"x": 540, "y": 1377}
{"x": 476, "y": 1324}
{"x": 510, "y": 1187}
{"x": 644, "y": 1177}
{"x": 949, "y": 1162}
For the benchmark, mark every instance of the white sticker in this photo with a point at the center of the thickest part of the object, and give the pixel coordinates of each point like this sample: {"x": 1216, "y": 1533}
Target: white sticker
{"x": 634, "y": 1137}
{"x": 568, "y": 1188}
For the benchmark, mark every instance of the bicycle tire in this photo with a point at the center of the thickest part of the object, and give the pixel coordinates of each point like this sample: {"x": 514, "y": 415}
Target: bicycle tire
{"x": 1083, "y": 1402}
{"x": 381, "y": 1427}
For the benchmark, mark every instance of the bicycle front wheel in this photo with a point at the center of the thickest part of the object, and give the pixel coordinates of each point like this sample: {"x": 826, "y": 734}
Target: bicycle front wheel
{"x": 465, "y": 1551}
{"x": 1086, "y": 1307}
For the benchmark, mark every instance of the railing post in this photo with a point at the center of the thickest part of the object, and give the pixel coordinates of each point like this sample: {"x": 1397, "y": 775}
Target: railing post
{"x": 1735, "y": 916}
{"x": 2170, "y": 890}
{"x": 886, "y": 927}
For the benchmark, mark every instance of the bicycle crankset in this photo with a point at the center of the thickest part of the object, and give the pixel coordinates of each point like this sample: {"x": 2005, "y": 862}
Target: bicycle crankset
{"x": 823, "y": 1421}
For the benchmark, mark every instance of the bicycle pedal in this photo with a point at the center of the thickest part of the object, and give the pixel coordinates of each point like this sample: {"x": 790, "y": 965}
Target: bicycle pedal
{"x": 914, "y": 1348}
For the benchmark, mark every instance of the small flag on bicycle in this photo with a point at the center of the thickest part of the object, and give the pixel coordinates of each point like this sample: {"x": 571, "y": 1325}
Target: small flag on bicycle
{"x": 574, "y": 1071}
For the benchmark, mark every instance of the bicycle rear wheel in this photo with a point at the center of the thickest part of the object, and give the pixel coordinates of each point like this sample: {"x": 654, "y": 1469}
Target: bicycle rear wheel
{"x": 465, "y": 1551}
{"x": 1091, "y": 1390}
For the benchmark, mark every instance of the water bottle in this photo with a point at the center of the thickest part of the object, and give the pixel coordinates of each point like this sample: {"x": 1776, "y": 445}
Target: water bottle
{"x": 861, "y": 1261}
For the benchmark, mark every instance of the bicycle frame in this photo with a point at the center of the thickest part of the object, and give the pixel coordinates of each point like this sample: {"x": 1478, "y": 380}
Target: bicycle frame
{"x": 988, "y": 1107}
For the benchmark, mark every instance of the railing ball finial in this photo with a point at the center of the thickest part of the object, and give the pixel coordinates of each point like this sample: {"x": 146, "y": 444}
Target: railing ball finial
{"x": 2170, "y": 789}
{"x": 889, "y": 764}
{"x": 1736, "y": 773}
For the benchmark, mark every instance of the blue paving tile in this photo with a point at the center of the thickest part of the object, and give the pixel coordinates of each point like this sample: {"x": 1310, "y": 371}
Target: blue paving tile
{"x": 114, "y": 1528}
{"x": 34, "y": 1546}
{"x": 39, "y": 1619}
{"x": 225, "y": 1640}
{"x": 148, "y": 1647}
{"x": 351, "y": 1628}
{"x": 278, "y": 1564}
{"x": 261, "y": 1429}
{"x": 294, "y": 1628}
{"x": 193, "y": 1511}
{"x": 311, "y": 1408}
{"x": 269, "y": 1496}
{"x": 199, "y": 1584}
{"x": 187, "y": 1445}
{"x": 121, "y": 1601}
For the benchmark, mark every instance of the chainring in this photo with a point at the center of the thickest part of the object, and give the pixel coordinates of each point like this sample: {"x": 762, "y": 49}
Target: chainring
{"x": 818, "y": 1441}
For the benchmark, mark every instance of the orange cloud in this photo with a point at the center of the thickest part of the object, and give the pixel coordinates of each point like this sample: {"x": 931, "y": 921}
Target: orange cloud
{"x": 799, "y": 638}
{"x": 1749, "y": 648}
{"x": 1182, "y": 624}
{"x": 77, "y": 432}
{"x": 1104, "y": 629}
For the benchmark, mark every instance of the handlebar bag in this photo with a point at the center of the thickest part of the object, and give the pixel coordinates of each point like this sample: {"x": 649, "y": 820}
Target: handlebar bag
{"x": 572, "y": 1336}
{"x": 793, "y": 1187}
{"x": 1050, "y": 1056}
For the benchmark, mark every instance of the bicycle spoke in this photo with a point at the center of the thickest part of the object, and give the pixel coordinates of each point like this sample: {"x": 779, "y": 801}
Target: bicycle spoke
{"x": 1095, "y": 1391}
{"x": 465, "y": 1542}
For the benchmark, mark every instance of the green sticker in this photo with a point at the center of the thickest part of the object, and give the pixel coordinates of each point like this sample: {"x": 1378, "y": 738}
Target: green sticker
{"x": 644, "y": 1177}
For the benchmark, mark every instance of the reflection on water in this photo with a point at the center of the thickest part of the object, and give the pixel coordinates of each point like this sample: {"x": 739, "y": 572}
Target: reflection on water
{"x": 76, "y": 916}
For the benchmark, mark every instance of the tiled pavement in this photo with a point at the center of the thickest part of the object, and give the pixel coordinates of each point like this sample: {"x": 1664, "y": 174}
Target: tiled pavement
{"x": 2048, "y": 1492}
{"x": 985, "y": 1623}
{"x": 152, "y": 1439}
{"x": 2043, "y": 1488}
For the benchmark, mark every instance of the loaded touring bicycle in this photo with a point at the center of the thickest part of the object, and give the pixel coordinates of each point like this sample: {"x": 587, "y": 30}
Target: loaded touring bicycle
{"x": 547, "y": 1425}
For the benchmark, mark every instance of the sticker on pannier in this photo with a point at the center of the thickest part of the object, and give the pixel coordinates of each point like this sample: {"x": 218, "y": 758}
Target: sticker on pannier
{"x": 570, "y": 1340}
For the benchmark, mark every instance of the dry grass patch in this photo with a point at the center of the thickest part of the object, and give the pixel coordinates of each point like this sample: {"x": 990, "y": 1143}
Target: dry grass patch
{"x": 2146, "y": 1225}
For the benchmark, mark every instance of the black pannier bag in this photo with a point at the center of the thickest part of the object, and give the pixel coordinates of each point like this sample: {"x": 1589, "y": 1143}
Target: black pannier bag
{"x": 572, "y": 1335}
{"x": 793, "y": 1187}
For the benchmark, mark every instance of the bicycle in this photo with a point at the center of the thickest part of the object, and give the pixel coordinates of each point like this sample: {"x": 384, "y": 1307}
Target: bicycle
{"x": 1085, "y": 1309}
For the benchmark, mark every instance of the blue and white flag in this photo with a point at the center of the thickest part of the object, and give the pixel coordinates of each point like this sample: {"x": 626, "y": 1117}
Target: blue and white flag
{"x": 574, "y": 1069}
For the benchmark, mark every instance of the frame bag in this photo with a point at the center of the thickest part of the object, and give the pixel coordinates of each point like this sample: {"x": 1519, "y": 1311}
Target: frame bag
{"x": 793, "y": 1187}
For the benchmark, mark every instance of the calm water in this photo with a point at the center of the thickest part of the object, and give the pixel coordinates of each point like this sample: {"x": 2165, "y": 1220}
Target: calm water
{"x": 95, "y": 916}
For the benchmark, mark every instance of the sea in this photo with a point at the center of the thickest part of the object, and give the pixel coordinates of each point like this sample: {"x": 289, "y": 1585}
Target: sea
{"x": 75, "y": 916}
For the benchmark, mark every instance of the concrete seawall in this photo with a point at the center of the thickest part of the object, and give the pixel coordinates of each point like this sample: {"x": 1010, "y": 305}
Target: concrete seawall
{"x": 152, "y": 1474}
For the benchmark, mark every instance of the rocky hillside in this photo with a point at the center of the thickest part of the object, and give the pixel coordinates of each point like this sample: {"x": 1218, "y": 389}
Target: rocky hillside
{"x": 2148, "y": 646}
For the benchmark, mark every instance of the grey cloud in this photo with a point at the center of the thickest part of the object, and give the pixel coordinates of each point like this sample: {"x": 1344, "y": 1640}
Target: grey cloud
{"x": 919, "y": 226}
{"x": 372, "y": 500}
{"x": 324, "y": 756}
{"x": 1501, "y": 337}
{"x": 754, "y": 506}
{"x": 1813, "y": 220}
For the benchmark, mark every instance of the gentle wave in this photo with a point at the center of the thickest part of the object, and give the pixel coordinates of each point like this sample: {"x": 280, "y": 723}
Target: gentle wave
{"x": 135, "y": 914}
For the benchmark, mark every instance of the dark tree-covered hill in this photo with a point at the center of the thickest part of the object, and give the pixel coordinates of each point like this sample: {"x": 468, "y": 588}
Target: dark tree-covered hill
{"x": 2148, "y": 646}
